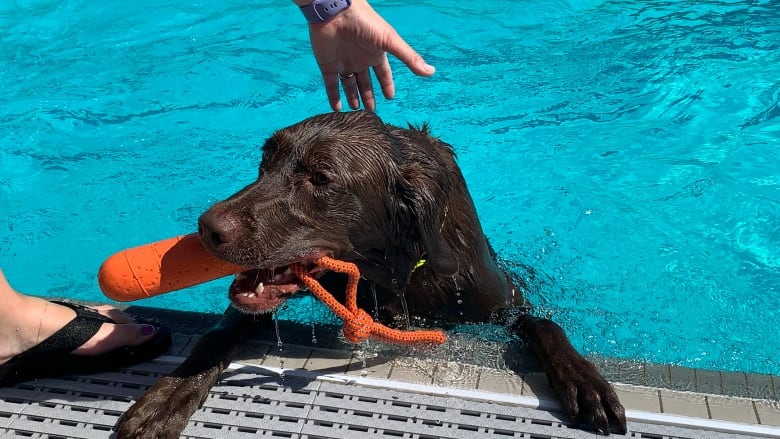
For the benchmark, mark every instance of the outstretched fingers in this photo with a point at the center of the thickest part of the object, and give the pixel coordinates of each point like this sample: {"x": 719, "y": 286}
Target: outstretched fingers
{"x": 332, "y": 89}
{"x": 350, "y": 86}
{"x": 357, "y": 87}
{"x": 366, "y": 90}
{"x": 384, "y": 74}
{"x": 404, "y": 52}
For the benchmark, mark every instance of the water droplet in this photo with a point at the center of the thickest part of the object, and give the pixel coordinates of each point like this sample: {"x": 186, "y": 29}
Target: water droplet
{"x": 400, "y": 293}
{"x": 407, "y": 317}
{"x": 361, "y": 355}
{"x": 278, "y": 337}
{"x": 376, "y": 301}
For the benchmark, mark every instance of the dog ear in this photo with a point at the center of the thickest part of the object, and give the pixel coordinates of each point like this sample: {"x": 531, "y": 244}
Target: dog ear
{"x": 425, "y": 189}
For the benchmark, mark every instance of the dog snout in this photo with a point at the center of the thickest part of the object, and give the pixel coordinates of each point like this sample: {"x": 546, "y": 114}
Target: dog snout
{"x": 216, "y": 230}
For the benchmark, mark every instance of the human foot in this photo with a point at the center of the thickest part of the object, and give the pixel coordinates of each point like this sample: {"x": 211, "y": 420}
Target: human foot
{"x": 81, "y": 339}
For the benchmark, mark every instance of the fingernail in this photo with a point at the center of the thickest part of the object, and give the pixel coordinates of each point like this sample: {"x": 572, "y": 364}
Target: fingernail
{"x": 147, "y": 329}
{"x": 429, "y": 68}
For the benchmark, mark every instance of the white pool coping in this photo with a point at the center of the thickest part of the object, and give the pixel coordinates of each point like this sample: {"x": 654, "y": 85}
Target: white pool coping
{"x": 503, "y": 398}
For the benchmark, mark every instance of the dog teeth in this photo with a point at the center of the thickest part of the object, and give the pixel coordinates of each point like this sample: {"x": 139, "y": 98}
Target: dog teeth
{"x": 277, "y": 277}
{"x": 240, "y": 276}
{"x": 258, "y": 290}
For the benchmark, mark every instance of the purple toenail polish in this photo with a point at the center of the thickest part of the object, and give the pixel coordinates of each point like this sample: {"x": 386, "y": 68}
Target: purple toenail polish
{"x": 147, "y": 329}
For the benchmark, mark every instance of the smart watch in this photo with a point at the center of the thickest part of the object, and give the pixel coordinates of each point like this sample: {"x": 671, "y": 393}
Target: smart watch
{"x": 320, "y": 11}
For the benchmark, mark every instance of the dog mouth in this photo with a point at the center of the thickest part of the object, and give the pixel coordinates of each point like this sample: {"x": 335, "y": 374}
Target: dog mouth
{"x": 262, "y": 290}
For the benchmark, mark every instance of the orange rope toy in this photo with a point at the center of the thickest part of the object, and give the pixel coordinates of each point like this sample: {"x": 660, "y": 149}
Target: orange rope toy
{"x": 358, "y": 325}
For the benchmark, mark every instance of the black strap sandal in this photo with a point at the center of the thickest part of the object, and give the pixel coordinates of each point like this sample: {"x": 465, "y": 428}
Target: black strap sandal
{"x": 53, "y": 356}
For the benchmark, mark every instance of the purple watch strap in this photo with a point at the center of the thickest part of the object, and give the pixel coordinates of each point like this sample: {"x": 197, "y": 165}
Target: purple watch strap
{"x": 320, "y": 11}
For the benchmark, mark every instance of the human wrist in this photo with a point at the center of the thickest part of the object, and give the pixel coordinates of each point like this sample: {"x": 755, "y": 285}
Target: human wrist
{"x": 322, "y": 11}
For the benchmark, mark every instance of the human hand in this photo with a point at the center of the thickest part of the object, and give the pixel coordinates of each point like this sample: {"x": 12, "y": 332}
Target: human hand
{"x": 353, "y": 42}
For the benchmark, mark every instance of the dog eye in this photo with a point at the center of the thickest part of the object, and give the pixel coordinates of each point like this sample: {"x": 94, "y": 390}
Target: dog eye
{"x": 319, "y": 179}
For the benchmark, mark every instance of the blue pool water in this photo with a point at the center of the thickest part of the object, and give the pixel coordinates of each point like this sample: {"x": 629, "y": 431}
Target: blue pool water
{"x": 626, "y": 150}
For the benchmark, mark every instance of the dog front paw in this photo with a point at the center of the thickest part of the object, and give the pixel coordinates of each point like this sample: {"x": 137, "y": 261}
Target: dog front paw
{"x": 163, "y": 411}
{"x": 587, "y": 398}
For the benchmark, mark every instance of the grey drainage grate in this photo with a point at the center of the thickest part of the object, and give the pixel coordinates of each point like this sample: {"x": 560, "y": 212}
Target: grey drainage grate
{"x": 246, "y": 404}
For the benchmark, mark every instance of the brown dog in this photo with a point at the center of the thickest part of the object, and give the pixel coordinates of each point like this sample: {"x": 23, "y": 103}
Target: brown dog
{"x": 349, "y": 186}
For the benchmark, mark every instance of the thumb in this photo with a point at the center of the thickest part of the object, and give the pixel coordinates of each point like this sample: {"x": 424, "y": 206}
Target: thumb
{"x": 3, "y": 281}
{"x": 401, "y": 50}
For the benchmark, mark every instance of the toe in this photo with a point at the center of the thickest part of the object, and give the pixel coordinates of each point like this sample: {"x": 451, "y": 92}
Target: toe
{"x": 111, "y": 336}
{"x": 114, "y": 313}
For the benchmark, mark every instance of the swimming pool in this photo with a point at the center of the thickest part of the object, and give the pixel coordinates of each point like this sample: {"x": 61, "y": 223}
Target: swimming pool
{"x": 626, "y": 150}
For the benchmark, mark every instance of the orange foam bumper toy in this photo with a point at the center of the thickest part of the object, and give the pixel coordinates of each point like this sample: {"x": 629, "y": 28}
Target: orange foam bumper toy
{"x": 160, "y": 267}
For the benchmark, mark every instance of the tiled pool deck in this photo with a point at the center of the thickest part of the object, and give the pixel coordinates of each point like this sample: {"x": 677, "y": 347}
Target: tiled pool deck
{"x": 694, "y": 403}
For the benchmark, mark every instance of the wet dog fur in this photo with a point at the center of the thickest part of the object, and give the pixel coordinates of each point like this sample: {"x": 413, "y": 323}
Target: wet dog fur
{"x": 350, "y": 186}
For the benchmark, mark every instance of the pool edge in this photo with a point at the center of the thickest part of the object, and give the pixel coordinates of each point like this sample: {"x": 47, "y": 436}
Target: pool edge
{"x": 724, "y": 397}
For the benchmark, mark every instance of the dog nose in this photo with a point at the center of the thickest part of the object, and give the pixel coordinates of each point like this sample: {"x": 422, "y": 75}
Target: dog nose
{"x": 216, "y": 230}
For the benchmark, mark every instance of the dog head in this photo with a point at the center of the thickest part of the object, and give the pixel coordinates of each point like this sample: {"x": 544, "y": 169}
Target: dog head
{"x": 344, "y": 185}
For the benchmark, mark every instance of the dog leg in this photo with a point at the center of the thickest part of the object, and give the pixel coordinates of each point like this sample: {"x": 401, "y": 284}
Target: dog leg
{"x": 163, "y": 411}
{"x": 585, "y": 395}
